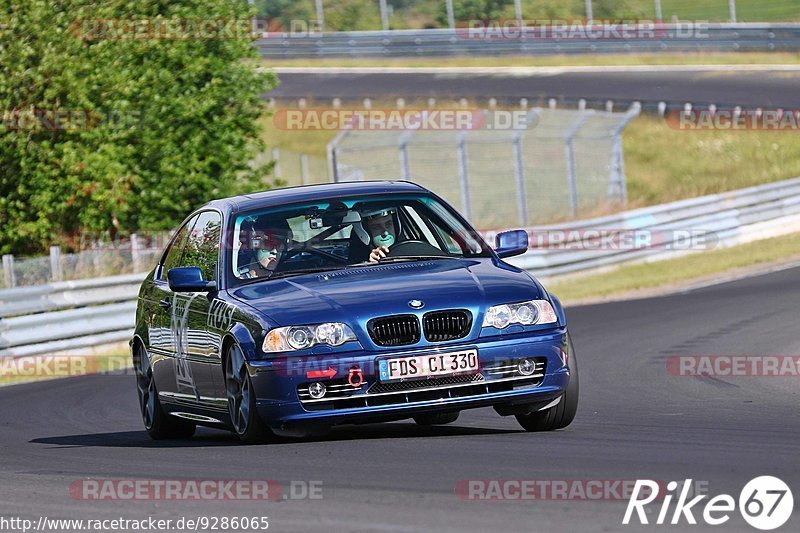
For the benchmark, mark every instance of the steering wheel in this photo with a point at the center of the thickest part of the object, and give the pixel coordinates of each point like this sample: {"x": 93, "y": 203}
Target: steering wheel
{"x": 314, "y": 251}
{"x": 244, "y": 270}
{"x": 414, "y": 247}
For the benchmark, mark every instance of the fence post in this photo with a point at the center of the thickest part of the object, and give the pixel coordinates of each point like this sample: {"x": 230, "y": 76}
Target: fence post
{"x": 136, "y": 252}
{"x": 451, "y": 19}
{"x": 519, "y": 169}
{"x": 276, "y": 156}
{"x": 659, "y": 15}
{"x": 333, "y": 158}
{"x": 56, "y": 272}
{"x": 8, "y": 271}
{"x": 617, "y": 186}
{"x": 320, "y": 15}
{"x": 732, "y": 9}
{"x": 304, "y": 169}
{"x": 519, "y": 174}
{"x": 572, "y": 177}
{"x": 384, "y": 15}
{"x": 518, "y": 9}
{"x": 334, "y": 165}
{"x": 616, "y": 180}
{"x": 405, "y": 164}
{"x": 589, "y": 14}
{"x": 463, "y": 175}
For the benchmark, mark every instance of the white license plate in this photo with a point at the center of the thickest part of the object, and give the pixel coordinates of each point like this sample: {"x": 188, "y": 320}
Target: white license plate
{"x": 422, "y": 366}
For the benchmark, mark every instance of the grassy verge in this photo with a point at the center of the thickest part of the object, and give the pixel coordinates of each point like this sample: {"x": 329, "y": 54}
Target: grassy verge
{"x": 417, "y": 14}
{"x": 664, "y": 164}
{"x": 694, "y": 267}
{"x": 589, "y": 60}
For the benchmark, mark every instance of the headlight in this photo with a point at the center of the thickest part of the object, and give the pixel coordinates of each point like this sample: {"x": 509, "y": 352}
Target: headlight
{"x": 303, "y": 337}
{"x": 525, "y": 313}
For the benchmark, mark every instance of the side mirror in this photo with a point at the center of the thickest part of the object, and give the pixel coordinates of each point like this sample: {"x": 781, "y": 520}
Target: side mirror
{"x": 188, "y": 279}
{"x": 511, "y": 243}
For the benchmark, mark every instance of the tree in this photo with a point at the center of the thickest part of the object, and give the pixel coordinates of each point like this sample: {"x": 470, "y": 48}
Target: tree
{"x": 104, "y": 132}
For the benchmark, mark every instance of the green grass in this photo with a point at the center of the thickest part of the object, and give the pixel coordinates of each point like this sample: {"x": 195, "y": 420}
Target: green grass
{"x": 589, "y": 60}
{"x": 416, "y": 14}
{"x": 664, "y": 164}
{"x": 671, "y": 271}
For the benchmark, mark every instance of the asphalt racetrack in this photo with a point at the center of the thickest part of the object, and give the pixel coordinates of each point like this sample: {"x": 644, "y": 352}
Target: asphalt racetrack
{"x": 636, "y": 420}
{"x": 726, "y": 87}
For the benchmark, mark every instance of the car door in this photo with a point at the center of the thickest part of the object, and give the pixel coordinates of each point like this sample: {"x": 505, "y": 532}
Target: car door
{"x": 163, "y": 344}
{"x": 197, "y": 354}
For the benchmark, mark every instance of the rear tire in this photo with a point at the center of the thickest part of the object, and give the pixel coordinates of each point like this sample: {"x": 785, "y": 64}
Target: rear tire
{"x": 157, "y": 422}
{"x": 246, "y": 422}
{"x": 561, "y": 415}
{"x": 436, "y": 419}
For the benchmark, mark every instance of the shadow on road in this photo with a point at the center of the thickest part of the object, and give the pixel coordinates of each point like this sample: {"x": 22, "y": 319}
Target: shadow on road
{"x": 210, "y": 437}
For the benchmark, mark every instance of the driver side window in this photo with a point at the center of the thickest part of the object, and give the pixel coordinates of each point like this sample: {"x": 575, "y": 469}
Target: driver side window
{"x": 174, "y": 254}
{"x": 202, "y": 244}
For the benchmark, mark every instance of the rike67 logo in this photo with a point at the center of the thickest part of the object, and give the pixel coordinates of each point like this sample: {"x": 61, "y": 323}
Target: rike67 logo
{"x": 765, "y": 503}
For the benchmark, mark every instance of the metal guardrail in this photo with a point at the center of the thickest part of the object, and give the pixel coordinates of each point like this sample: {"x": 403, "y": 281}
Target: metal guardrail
{"x": 67, "y": 315}
{"x": 726, "y": 217}
{"x": 739, "y": 37}
{"x": 78, "y": 314}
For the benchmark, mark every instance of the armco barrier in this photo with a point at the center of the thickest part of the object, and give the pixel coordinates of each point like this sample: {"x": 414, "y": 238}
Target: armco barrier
{"x": 79, "y": 314}
{"x": 741, "y": 37}
{"x": 729, "y": 217}
{"x": 67, "y": 315}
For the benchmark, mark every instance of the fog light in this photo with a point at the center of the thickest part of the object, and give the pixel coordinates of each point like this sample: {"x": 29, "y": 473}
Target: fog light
{"x": 317, "y": 390}
{"x": 526, "y": 367}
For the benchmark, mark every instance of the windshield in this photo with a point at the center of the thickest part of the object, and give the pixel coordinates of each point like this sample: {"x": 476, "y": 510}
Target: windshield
{"x": 341, "y": 233}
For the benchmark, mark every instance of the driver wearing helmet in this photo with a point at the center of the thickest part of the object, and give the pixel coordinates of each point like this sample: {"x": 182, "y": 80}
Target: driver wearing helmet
{"x": 378, "y": 229}
{"x": 266, "y": 248}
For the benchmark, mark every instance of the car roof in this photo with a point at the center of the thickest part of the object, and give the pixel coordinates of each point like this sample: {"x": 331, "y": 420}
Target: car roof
{"x": 274, "y": 197}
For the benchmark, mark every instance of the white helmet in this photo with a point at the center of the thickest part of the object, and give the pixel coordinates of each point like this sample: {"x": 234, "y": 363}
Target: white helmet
{"x": 360, "y": 227}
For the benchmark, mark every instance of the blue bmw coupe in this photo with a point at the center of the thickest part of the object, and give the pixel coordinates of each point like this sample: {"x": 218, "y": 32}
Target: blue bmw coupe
{"x": 289, "y": 311}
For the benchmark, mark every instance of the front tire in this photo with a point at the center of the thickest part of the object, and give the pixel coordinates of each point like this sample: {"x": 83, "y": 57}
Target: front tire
{"x": 246, "y": 422}
{"x": 157, "y": 422}
{"x": 561, "y": 415}
{"x": 436, "y": 419}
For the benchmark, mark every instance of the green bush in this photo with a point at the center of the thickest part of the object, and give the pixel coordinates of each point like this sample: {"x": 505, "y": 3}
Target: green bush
{"x": 172, "y": 122}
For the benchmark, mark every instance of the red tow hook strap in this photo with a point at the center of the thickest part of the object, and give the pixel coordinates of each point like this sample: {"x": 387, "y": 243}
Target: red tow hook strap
{"x": 316, "y": 374}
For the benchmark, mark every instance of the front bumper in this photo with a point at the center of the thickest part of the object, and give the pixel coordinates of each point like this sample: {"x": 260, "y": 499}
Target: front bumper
{"x": 279, "y": 383}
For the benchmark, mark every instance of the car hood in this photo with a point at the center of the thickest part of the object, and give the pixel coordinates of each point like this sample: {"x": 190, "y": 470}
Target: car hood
{"x": 356, "y": 295}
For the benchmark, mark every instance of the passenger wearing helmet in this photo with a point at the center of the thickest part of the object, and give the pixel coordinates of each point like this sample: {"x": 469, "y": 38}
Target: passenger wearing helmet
{"x": 379, "y": 230}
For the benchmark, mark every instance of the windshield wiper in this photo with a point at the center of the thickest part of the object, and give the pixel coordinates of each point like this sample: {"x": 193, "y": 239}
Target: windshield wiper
{"x": 401, "y": 259}
{"x": 288, "y": 273}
